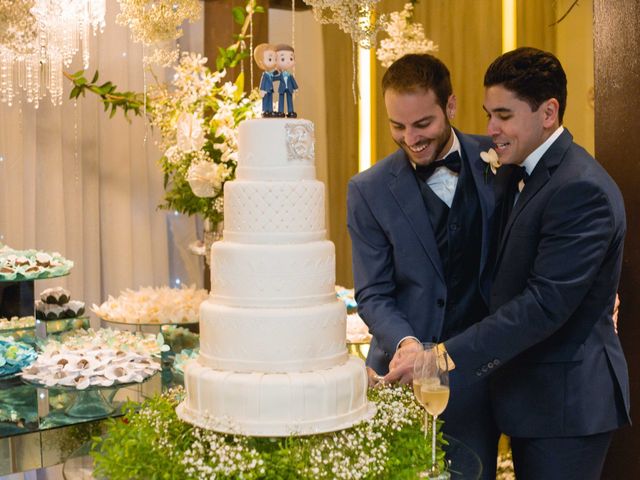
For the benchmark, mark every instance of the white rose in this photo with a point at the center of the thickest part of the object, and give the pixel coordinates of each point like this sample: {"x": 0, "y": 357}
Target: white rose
{"x": 204, "y": 179}
{"x": 190, "y": 133}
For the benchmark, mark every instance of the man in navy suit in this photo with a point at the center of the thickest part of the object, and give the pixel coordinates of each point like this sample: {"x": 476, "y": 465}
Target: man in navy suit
{"x": 558, "y": 377}
{"x": 420, "y": 224}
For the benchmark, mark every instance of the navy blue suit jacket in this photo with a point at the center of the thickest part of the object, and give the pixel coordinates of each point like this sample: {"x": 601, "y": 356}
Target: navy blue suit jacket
{"x": 398, "y": 274}
{"x": 557, "y": 365}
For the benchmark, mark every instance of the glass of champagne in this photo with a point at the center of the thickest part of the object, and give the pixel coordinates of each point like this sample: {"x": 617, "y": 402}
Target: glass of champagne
{"x": 431, "y": 388}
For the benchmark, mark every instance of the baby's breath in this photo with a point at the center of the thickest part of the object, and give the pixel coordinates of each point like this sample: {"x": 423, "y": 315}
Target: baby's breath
{"x": 390, "y": 445}
{"x": 405, "y": 37}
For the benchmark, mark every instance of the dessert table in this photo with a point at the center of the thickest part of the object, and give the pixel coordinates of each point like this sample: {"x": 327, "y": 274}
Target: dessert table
{"x": 41, "y": 427}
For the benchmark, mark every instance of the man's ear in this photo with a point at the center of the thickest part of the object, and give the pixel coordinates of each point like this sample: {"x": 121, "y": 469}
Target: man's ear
{"x": 550, "y": 113}
{"x": 451, "y": 107}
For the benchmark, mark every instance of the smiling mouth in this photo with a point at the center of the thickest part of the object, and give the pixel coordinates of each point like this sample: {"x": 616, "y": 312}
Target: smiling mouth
{"x": 418, "y": 148}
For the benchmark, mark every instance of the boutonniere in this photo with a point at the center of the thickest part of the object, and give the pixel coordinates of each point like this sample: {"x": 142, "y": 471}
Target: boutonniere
{"x": 491, "y": 159}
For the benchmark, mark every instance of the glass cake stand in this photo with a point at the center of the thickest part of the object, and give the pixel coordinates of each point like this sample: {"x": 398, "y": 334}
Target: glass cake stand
{"x": 91, "y": 403}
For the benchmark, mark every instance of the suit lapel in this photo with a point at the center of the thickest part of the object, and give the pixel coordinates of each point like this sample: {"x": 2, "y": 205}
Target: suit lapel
{"x": 539, "y": 177}
{"x": 405, "y": 189}
{"x": 471, "y": 149}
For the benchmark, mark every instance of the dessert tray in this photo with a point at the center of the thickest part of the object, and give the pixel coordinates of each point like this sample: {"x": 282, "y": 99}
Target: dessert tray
{"x": 153, "y": 306}
{"x": 17, "y": 265}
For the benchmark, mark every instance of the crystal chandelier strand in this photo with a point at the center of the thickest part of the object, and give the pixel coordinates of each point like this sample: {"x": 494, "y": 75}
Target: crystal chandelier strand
{"x": 61, "y": 29}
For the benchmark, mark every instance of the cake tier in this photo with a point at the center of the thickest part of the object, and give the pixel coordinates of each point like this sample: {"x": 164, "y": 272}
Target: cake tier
{"x": 272, "y": 340}
{"x": 275, "y": 149}
{"x": 246, "y": 275}
{"x": 274, "y": 212}
{"x": 276, "y": 404}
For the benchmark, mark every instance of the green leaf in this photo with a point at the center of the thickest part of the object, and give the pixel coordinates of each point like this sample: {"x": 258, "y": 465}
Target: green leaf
{"x": 95, "y": 77}
{"x": 238, "y": 15}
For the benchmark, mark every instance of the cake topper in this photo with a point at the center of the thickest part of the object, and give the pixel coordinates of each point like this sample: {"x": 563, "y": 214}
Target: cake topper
{"x": 265, "y": 56}
{"x": 285, "y": 60}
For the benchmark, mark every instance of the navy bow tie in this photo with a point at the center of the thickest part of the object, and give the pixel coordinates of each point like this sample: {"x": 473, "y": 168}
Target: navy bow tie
{"x": 521, "y": 174}
{"x": 451, "y": 161}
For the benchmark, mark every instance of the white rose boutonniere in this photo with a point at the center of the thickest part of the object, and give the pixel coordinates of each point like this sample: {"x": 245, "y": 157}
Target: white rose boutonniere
{"x": 491, "y": 159}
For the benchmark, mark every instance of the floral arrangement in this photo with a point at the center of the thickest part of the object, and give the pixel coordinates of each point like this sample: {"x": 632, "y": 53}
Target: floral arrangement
{"x": 198, "y": 120}
{"x": 405, "y": 37}
{"x": 154, "y": 22}
{"x": 152, "y": 442}
{"x": 197, "y": 115}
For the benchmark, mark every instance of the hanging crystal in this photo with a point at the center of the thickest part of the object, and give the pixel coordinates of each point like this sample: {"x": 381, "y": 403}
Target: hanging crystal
{"x": 54, "y": 30}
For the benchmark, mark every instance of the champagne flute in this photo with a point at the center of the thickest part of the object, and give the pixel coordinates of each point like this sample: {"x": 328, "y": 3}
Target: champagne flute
{"x": 431, "y": 388}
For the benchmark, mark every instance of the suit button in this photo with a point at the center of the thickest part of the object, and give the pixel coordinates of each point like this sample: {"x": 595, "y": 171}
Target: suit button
{"x": 490, "y": 365}
{"x": 496, "y": 362}
{"x": 485, "y": 369}
{"x": 453, "y": 227}
{"x": 440, "y": 302}
{"x": 478, "y": 373}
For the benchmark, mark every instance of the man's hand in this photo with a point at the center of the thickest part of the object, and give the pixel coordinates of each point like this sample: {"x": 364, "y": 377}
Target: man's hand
{"x": 401, "y": 365}
{"x": 373, "y": 377}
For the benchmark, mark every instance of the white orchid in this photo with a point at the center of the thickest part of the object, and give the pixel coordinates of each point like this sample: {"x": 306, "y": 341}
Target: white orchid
{"x": 490, "y": 157}
{"x": 190, "y": 134}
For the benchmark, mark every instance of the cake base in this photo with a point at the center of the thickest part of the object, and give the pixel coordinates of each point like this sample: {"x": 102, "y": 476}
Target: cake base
{"x": 276, "y": 405}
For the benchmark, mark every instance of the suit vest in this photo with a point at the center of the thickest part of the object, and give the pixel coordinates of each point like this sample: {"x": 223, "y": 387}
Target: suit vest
{"x": 458, "y": 234}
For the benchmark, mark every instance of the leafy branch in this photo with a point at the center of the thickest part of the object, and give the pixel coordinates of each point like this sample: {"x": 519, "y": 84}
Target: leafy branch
{"x": 233, "y": 54}
{"x": 111, "y": 98}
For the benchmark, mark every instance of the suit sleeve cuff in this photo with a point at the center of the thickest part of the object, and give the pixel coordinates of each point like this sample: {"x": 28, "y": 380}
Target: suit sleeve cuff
{"x": 406, "y": 338}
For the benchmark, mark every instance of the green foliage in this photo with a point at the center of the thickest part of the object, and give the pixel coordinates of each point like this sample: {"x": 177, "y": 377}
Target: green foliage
{"x": 110, "y": 97}
{"x": 150, "y": 442}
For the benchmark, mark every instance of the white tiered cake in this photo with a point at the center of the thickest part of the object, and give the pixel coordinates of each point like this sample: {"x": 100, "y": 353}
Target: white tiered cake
{"x": 273, "y": 358}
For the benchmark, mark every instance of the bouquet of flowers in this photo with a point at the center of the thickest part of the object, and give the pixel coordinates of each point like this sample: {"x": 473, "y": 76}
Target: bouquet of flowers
{"x": 198, "y": 120}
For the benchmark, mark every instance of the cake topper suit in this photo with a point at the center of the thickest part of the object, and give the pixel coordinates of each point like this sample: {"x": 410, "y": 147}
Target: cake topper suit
{"x": 285, "y": 60}
{"x": 265, "y": 56}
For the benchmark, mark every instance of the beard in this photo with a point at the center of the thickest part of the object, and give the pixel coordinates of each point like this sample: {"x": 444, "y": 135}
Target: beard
{"x": 440, "y": 144}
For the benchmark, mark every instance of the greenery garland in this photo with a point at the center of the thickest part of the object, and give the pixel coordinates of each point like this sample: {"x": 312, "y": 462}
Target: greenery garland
{"x": 151, "y": 442}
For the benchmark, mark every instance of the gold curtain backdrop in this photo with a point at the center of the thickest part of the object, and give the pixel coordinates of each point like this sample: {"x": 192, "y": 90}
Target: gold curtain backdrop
{"x": 469, "y": 36}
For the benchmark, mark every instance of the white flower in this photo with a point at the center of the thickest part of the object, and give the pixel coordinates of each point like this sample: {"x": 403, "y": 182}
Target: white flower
{"x": 205, "y": 178}
{"x": 190, "y": 134}
{"x": 404, "y": 37}
{"x": 491, "y": 159}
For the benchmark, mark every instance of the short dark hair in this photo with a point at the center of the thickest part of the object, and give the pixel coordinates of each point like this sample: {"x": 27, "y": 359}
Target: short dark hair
{"x": 533, "y": 75}
{"x": 419, "y": 72}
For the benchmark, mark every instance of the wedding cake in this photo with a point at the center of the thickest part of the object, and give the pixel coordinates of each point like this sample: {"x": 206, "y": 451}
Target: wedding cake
{"x": 273, "y": 358}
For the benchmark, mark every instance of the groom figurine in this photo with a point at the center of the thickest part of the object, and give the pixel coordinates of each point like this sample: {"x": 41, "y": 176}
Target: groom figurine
{"x": 558, "y": 377}
{"x": 286, "y": 60}
{"x": 265, "y": 57}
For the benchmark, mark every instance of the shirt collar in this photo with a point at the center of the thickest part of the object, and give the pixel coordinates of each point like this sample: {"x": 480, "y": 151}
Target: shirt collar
{"x": 534, "y": 157}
